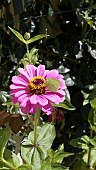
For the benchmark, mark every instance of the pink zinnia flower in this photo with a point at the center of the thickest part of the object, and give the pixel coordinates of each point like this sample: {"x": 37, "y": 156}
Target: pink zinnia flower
{"x": 29, "y": 89}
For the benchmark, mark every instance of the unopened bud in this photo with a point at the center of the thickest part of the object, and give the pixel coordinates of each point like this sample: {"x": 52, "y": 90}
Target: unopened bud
{"x": 27, "y": 36}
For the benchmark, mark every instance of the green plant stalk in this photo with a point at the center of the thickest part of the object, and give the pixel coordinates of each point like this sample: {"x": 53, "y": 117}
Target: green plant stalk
{"x": 89, "y": 152}
{"x": 27, "y": 48}
{"x": 36, "y": 122}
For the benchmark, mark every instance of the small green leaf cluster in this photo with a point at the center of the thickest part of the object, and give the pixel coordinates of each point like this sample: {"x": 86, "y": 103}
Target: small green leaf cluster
{"x": 30, "y": 40}
{"x": 31, "y": 57}
{"x": 55, "y": 158}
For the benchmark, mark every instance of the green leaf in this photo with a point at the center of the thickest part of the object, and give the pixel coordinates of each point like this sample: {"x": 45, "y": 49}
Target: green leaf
{"x": 35, "y": 38}
{"x": 33, "y": 56}
{"x": 81, "y": 142}
{"x": 85, "y": 102}
{"x": 54, "y": 159}
{"x": 27, "y": 150}
{"x": 93, "y": 141}
{"x": 92, "y": 95}
{"x": 3, "y": 96}
{"x": 90, "y": 22}
{"x": 6, "y": 165}
{"x": 66, "y": 105}
{"x": 92, "y": 157}
{"x": 3, "y": 166}
{"x": 79, "y": 165}
{"x": 59, "y": 155}
{"x": 45, "y": 137}
{"x": 18, "y": 35}
{"x": 59, "y": 167}
{"x": 92, "y": 119}
{"x": 30, "y": 58}
{"x": 47, "y": 165}
{"x": 4, "y": 137}
{"x": 53, "y": 84}
{"x": 25, "y": 167}
{"x": 93, "y": 103}
{"x": 36, "y": 161}
{"x": 11, "y": 157}
{"x": 7, "y": 104}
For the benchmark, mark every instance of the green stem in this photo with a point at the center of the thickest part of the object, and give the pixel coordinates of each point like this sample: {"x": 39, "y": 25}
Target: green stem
{"x": 36, "y": 122}
{"x": 35, "y": 130}
{"x": 28, "y": 55}
{"x": 27, "y": 48}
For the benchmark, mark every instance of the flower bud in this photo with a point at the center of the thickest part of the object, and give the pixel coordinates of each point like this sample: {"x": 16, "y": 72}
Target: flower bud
{"x": 27, "y": 36}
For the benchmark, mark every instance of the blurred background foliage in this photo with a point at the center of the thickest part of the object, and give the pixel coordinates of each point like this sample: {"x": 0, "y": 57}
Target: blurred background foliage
{"x": 70, "y": 48}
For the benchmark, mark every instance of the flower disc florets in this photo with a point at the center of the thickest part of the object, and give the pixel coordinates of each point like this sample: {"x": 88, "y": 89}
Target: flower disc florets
{"x": 37, "y": 85}
{"x": 30, "y": 89}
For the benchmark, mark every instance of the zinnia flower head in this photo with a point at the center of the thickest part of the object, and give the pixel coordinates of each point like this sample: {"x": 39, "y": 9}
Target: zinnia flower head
{"x": 30, "y": 89}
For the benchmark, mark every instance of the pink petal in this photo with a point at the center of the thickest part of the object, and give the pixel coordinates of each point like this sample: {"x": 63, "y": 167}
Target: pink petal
{"x": 60, "y": 92}
{"x": 31, "y": 70}
{"x": 47, "y": 109}
{"x": 60, "y": 76}
{"x": 21, "y": 98}
{"x": 62, "y": 85}
{"x": 13, "y": 92}
{"x": 24, "y": 78}
{"x": 14, "y": 99}
{"x": 26, "y": 110}
{"x": 34, "y": 109}
{"x": 40, "y": 70}
{"x": 34, "y": 99}
{"x": 52, "y": 97}
{"x": 62, "y": 99}
{"x": 39, "y": 99}
{"x": 24, "y": 73}
{"x": 15, "y": 86}
{"x": 52, "y": 74}
{"x": 42, "y": 100}
{"x": 19, "y": 80}
{"x": 24, "y": 102}
{"x": 19, "y": 93}
{"x": 45, "y": 73}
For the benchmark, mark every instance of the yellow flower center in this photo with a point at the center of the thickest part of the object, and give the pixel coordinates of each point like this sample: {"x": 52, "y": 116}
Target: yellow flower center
{"x": 37, "y": 85}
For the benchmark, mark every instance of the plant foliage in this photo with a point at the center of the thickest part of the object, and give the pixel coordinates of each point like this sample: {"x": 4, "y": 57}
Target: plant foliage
{"x": 61, "y": 35}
